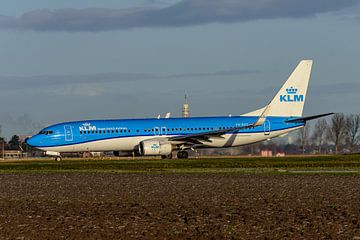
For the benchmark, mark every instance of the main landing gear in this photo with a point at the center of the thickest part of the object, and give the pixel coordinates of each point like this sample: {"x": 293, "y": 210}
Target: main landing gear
{"x": 182, "y": 155}
{"x": 57, "y": 158}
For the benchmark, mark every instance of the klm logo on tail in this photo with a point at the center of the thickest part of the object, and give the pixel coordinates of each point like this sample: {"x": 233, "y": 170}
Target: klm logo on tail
{"x": 291, "y": 96}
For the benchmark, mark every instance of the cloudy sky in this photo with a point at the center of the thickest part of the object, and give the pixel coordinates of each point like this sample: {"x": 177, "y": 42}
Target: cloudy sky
{"x": 89, "y": 59}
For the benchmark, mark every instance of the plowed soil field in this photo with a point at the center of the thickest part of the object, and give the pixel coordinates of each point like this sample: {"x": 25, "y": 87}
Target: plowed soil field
{"x": 178, "y": 206}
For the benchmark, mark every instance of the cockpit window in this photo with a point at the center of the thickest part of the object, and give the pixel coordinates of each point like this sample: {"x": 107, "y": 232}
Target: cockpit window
{"x": 46, "y": 132}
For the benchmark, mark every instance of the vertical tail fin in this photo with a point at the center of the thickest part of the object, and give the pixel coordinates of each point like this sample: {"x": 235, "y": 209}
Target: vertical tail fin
{"x": 290, "y": 100}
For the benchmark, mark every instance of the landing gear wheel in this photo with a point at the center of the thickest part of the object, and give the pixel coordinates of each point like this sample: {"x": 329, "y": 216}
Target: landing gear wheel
{"x": 182, "y": 154}
{"x": 166, "y": 156}
{"x": 57, "y": 159}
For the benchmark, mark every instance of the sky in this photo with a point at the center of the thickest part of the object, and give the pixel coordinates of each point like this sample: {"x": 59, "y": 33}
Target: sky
{"x": 75, "y": 59}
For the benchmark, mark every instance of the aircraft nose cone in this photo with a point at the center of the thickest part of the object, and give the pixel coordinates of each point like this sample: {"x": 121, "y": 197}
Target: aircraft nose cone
{"x": 32, "y": 141}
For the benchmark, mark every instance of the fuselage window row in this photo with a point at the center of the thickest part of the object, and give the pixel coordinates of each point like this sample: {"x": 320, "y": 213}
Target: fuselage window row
{"x": 152, "y": 130}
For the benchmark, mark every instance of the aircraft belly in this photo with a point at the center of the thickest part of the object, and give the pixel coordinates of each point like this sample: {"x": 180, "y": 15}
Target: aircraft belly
{"x": 232, "y": 140}
{"x": 114, "y": 144}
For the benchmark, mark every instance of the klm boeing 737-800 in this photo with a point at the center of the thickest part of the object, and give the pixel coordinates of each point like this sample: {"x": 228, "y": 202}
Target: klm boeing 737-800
{"x": 164, "y": 136}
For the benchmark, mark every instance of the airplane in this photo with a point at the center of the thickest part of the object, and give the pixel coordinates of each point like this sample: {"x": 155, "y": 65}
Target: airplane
{"x": 166, "y": 136}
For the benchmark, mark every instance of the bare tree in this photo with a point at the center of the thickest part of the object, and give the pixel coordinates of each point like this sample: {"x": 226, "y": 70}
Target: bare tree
{"x": 303, "y": 137}
{"x": 337, "y": 130}
{"x": 319, "y": 133}
{"x": 352, "y": 130}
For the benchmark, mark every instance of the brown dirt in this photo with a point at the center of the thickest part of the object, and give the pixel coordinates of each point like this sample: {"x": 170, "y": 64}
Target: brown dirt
{"x": 130, "y": 206}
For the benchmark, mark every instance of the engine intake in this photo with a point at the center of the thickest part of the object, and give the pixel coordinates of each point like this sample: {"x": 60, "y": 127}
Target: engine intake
{"x": 155, "y": 148}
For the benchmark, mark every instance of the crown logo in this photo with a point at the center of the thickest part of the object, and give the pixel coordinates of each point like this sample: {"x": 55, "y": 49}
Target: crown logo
{"x": 291, "y": 90}
{"x": 86, "y": 124}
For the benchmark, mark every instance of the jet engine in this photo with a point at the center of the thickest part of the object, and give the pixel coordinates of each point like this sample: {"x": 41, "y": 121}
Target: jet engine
{"x": 155, "y": 148}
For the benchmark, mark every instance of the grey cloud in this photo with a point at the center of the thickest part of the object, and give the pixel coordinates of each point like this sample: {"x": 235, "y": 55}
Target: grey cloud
{"x": 214, "y": 74}
{"x": 16, "y": 82}
{"x": 346, "y": 88}
{"x": 183, "y": 13}
{"x": 23, "y": 124}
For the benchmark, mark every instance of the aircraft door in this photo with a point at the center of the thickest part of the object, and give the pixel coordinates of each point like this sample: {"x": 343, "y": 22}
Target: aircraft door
{"x": 267, "y": 127}
{"x": 68, "y": 133}
{"x": 157, "y": 131}
{"x": 160, "y": 131}
{"x": 163, "y": 131}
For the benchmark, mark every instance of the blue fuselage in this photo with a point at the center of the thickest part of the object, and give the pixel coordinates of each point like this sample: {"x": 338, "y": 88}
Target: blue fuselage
{"x": 119, "y": 132}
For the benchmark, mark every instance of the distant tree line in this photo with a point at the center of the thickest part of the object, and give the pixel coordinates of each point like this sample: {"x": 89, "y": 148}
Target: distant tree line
{"x": 13, "y": 144}
{"x": 341, "y": 133}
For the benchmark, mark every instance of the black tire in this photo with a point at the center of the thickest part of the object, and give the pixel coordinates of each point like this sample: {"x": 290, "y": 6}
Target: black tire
{"x": 182, "y": 155}
{"x": 57, "y": 159}
{"x": 185, "y": 155}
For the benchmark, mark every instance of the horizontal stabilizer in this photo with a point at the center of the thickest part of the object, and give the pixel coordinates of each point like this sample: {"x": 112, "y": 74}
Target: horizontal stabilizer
{"x": 305, "y": 119}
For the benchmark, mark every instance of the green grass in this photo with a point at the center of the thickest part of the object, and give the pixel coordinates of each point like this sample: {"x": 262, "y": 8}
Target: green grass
{"x": 349, "y": 164}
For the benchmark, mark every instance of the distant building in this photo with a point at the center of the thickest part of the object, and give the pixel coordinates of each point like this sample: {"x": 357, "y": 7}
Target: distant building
{"x": 280, "y": 154}
{"x": 14, "y": 154}
{"x": 266, "y": 153}
{"x": 186, "y": 108}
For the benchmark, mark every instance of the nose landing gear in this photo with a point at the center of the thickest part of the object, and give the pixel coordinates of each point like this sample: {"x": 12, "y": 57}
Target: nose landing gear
{"x": 56, "y": 155}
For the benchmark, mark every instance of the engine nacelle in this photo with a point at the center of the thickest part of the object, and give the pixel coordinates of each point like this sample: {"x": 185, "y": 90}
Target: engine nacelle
{"x": 155, "y": 148}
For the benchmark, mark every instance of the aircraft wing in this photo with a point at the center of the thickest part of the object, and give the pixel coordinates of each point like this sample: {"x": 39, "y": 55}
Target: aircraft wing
{"x": 205, "y": 136}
